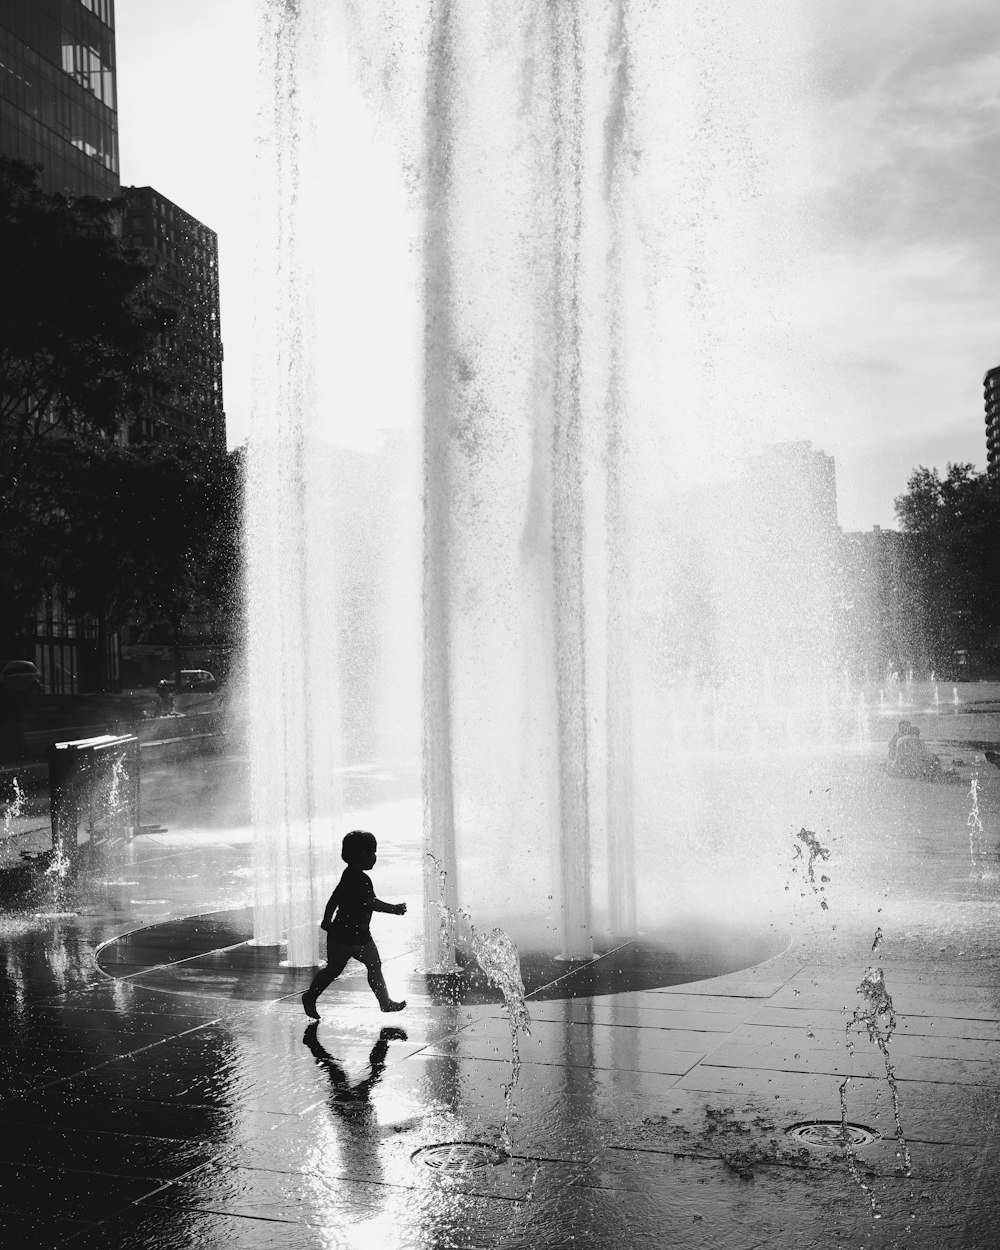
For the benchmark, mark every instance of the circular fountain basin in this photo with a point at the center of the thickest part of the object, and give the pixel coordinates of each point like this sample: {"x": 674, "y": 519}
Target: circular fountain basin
{"x": 212, "y": 955}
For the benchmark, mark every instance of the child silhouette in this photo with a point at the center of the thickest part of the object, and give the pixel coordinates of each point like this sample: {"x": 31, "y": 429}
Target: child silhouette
{"x": 347, "y": 935}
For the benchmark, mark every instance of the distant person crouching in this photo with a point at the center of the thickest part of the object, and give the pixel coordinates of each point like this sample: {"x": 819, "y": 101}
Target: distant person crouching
{"x": 909, "y": 757}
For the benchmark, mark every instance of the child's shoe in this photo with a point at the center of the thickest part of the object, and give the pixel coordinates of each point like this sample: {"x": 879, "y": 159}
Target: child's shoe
{"x": 389, "y": 1005}
{"x": 309, "y": 1005}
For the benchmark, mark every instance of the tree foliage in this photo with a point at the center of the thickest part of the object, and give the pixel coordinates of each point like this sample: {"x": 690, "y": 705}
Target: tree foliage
{"x": 145, "y": 533}
{"x": 955, "y": 521}
{"x": 79, "y": 327}
{"x": 127, "y": 533}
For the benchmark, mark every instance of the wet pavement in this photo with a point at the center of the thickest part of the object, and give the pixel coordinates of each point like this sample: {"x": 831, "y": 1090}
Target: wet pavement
{"x": 160, "y": 1087}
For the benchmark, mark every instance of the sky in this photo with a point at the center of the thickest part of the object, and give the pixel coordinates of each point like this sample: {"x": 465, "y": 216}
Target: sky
{"x": 904, "y": 131}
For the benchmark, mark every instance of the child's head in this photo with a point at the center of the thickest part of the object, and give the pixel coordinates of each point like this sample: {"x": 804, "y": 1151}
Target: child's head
{"x": 359, "y": 849}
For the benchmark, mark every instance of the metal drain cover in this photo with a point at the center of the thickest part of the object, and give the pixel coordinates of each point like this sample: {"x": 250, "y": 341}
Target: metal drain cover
{"x": 830, "y": 1134}
{"x": 458, "y": 1156}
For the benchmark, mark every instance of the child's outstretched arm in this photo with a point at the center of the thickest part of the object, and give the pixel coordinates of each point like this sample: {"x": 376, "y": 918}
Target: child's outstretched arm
{"x": 394, "y": 909}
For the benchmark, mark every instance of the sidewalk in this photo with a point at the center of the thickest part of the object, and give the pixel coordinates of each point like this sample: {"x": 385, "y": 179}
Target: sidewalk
{"x": 157, "y": 1091}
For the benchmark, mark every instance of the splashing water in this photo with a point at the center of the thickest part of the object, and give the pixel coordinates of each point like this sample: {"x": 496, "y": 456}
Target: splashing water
{"x": 57, "y": 873}
{"x": 497, "y": 955}
{"x": 878, "y": 1018}
{"x": 548, "y": 166}
{"x": 13, "y": 809}
{"x": 975, "y": 824}
{"x": 436, "y": 893}
{"x": 816, "y": 852}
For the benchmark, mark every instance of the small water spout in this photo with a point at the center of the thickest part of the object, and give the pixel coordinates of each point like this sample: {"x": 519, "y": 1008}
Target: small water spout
{"x": 497, "y": 955}
{"x": 443, "y": 941}
{"x": 975, "y": 824}
{"x": 877, "y": 1017}
{"x": 13, "y": 810}
{"x": 816, "y": 852}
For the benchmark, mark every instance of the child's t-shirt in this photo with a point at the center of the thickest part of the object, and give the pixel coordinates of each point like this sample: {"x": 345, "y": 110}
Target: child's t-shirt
{"x": 354, "y": 899}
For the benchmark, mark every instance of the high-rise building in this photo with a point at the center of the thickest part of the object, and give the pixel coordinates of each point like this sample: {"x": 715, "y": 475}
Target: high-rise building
{"x": 186, "y": 256}
{"x": 991, "y": 394}
{"x": 58, "y": 92}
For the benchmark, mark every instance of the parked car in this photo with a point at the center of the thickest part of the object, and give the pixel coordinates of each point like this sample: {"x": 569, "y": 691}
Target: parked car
{"x": 21, "y": 675}
{"x": 193, "y": 681}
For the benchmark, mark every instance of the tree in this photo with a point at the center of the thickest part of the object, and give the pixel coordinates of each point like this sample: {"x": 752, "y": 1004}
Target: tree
{"x": 80, "y": 334}
{"x": 79, "y": 326}
{"x": 155, "y": 539}
{"x": 955, "y": 523}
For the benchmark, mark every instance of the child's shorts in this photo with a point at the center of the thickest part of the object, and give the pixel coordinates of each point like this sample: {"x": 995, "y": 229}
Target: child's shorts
{"x": 366, "y": 953}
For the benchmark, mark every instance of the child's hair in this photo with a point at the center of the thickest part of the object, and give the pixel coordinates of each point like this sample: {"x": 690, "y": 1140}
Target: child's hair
{"x": 357, "y": 845}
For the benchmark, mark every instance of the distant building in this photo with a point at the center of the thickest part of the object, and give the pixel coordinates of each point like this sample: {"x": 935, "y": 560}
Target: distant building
{"x": 797, "y": 479}
{"x": 186, "y": 256}
{"x": 58, "y": 92}
{"x": 773, "y": 543}
{"x": 991, "y": 395}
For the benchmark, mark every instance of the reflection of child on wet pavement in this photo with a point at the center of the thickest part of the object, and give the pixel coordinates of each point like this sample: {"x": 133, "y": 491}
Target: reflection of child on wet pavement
{"x": 344, "y": 1095}
{"x": 347, "y": 934}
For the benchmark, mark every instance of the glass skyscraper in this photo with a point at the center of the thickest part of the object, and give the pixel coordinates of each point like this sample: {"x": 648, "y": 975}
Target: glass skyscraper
{"x": 58, "y": 92}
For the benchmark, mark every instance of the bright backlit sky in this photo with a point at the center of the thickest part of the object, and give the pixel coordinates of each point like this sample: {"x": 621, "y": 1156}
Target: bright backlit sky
{"x": 907, "y": 122}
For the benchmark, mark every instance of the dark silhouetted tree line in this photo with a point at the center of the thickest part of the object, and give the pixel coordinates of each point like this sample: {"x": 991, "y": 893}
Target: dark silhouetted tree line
{"x": 954, "y": 521}
{"x": 141, "y": 532}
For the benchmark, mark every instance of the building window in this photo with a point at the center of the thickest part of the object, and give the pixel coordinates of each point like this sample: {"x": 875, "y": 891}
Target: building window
{"x": 99, "y": 8}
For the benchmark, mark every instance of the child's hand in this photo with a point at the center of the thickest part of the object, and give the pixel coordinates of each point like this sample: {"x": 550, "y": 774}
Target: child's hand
{"x": 400, "y": 909}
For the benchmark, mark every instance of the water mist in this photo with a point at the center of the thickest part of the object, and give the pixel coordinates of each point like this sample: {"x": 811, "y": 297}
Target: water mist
{"x": 582, "y": 186}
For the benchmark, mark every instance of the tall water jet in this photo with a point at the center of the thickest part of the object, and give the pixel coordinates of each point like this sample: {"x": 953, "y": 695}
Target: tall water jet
{"x": 291, "y": 648}
{"x": 515, "y": 494}
{"x": 583, "y": 185}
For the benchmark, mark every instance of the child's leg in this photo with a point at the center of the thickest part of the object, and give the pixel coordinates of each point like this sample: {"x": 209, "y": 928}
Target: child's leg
{"x": 372, "y": 960}
{"x": 337, "y": 957}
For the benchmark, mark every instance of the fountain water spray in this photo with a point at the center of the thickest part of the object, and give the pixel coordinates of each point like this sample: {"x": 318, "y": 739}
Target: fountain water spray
{"x": 809, "y": 840}
{"x": 975, "y": 824}
{"x": 878, "y": 1018}
{"x": 13, "y": 809}
{"x": 497, "y": 955}
{"x": 582, "y": 183}
{"x": 291, "y": 638}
